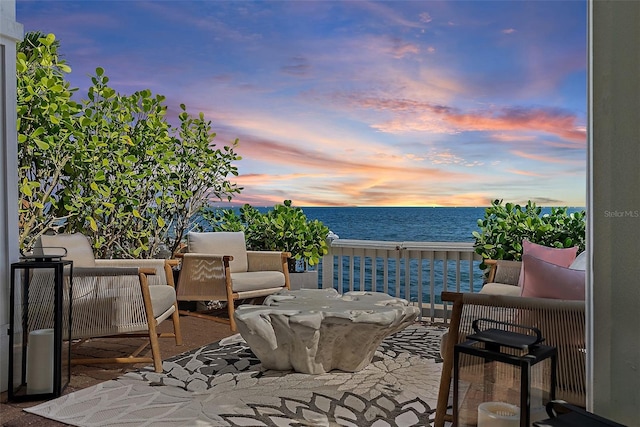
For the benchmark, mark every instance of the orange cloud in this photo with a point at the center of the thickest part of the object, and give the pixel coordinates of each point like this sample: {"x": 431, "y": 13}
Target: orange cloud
{"x": 277, "y": 153}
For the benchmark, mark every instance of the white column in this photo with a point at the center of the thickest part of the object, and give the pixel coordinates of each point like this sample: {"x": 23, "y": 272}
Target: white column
{"x": 613, "y": 200}
{"x": 10, "y": 33}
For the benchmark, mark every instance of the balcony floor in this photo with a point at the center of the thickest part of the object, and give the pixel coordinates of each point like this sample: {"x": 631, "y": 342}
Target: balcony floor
{"x": 195, "y": 333}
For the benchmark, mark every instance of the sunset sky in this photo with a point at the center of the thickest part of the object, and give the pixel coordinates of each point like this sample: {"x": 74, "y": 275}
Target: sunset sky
{"x": 357, "y": 103}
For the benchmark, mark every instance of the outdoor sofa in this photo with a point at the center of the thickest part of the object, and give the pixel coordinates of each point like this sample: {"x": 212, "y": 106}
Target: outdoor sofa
{"x": 561, "y": 321}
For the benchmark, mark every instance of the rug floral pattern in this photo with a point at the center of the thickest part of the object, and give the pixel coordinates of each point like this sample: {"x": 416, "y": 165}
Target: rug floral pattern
{"x": 223, "y": 384}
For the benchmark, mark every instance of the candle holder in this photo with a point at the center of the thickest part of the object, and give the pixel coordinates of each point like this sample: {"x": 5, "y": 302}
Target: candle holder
{"x": 500, "y": 373}
{"x": 40, "y": 323}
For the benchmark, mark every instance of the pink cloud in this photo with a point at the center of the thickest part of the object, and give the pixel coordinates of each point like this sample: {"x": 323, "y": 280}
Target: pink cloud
{"x": 297, "y": 66}
{"x": 425, "y": 17}
{"x": 525, "y": 173}
{"x": 544, "y": 159}
{"x": 412, "y": 115}
{"x": 400, "y": 49}
{"x": 547, "y": 120}
{"x": 272, "y": 152}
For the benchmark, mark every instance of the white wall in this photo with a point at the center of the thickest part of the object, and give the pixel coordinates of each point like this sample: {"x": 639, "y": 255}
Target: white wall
{"x": 614, "y": 211}
{"x": 10, "y": 33}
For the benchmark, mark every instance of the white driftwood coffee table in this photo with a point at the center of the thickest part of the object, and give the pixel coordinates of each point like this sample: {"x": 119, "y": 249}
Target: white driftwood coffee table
{"x": 316, "y": 330}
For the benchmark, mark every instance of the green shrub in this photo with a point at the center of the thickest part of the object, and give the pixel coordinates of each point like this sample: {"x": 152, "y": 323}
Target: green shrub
{"x": 283, "y": 228}
{"x": 504, "y": 227}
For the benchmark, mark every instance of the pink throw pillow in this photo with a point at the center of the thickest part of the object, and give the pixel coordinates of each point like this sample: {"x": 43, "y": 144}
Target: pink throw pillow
{"x": 558, "y": 256}
{"x": 543, "y": 279}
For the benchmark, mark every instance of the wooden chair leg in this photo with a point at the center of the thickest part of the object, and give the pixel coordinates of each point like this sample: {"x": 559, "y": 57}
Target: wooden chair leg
{"x": 152, "y": 323}
{"x": 445, "y": 388}
{"x": 155, "y": 347}
{"x": 447, "y": 364}
{"x": 231, "y": 297}
{"x": 231, "y": 308}
{"x": 175, "y": 318}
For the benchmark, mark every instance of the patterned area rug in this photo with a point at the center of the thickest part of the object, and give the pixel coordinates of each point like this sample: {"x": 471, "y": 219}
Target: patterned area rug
{"x": 223, "y": 384}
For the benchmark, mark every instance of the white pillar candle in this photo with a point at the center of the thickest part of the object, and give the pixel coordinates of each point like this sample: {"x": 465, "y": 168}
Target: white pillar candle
{"x": 498, "y": 414}
{"x": 40, "y": 362}
{"x": 538, "y": 408}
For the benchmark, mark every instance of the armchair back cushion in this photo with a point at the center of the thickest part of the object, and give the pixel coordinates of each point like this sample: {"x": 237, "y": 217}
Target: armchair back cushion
{"x": 221, "y": 243}
{"x": 558, "y": 256}
{"x": 78, "y": 248}
{"x": 580, "y": 263}
{"x": 507, "y": 272}
{"x": 543, "y": 279}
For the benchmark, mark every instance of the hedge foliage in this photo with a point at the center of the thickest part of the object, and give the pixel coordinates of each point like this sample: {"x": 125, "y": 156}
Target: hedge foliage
{"x": 505, "y": 226}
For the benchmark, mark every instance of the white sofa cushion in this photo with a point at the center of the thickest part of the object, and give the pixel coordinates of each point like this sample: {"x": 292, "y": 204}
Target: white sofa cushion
{"x": 162, "y": 298}
{"x": 500, "y": 289}
{"x": 580, "y": 263}
{"x": 257, "y": 280}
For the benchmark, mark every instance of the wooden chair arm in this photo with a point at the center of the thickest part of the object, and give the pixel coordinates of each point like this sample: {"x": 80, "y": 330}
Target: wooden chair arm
{"x": 179, "y": 253}
{"x": 493, "y": 266}
{"x": 267, "y": 260}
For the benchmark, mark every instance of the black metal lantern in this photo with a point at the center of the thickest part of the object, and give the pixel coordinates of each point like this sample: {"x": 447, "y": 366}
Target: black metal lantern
{"x": 40, "y": 327}
{"x": 503, "y": 376}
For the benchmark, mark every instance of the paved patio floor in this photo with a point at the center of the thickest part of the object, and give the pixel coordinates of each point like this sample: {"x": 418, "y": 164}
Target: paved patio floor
{"x": 195, "y": 333}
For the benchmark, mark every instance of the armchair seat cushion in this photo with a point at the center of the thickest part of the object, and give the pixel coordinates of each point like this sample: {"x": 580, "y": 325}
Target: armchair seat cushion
{"x": 162, "y": 298}
{"x": 501, "y": 289}
{"x": 257, "y": 280}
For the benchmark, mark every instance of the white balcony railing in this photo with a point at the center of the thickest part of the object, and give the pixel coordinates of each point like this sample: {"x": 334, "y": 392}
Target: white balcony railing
{"x": 416, "y": 271}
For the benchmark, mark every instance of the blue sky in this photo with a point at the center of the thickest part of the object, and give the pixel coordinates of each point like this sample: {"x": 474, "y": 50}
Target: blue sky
{"x": 357, "y": 103}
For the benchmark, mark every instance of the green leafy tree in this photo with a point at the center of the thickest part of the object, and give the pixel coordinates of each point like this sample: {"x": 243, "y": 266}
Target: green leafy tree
{"x": 198, "y": 173}
{"x": 111, "y": 167}
{"x": 119, "y": 172}
{"x": 283, "y": 228}
{"x": 48, "y": 131}
{"x": 505, "y": 226}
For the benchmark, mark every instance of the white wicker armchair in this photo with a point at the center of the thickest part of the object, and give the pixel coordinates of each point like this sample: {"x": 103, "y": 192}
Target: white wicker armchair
{"x": 110, "y": 298}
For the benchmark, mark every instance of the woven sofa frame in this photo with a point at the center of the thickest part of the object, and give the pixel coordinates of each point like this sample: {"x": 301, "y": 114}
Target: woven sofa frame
{"x": 561, "y": 322}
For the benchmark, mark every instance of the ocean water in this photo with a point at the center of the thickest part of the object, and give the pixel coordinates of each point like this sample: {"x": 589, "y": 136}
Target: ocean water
{"x": 417, "y": 224}
{"x": 403, "y": 224}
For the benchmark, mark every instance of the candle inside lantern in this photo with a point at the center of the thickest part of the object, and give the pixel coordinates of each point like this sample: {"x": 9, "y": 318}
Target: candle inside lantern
{"x": 498, "y": 414}
{"x": 40, "y": 362}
